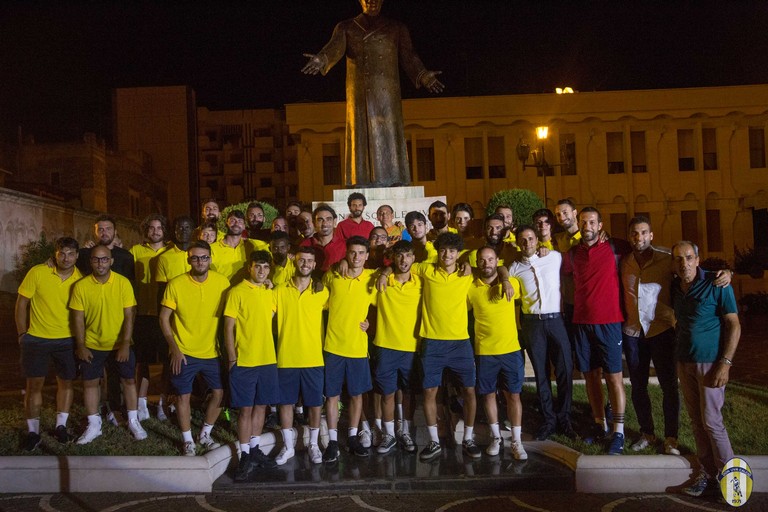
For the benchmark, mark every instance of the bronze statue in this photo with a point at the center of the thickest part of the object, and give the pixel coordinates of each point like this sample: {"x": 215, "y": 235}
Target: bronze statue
{"x": 376, "y": 153}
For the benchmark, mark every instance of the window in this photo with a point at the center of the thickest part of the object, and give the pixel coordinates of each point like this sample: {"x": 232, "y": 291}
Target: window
{"x": 332, "y": 164}
{"x": 756, "y": 148}
{"x": 473, "y": 157}
{"x": 618, "y": 226}
{"x": 262, "y": 132}
{"x": 290, "y": 166}
{"x": 709, "y": 145}
{"x": 568, "y": 154}
{"x": 637, "y": 147}
{"x": 714, "y": 237}
{"x": 689, "y": 219}
{"x": 496, "y": 158}
{"x": 614, "y": 142}
{"x": 425, "y": 159}
{"x": 685, "y": 156}
{"x": 265, "y": 182}
{"x": 265, "y": 157}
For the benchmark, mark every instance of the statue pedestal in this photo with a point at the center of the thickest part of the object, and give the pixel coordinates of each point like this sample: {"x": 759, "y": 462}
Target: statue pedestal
{"x": 401, "y": 199}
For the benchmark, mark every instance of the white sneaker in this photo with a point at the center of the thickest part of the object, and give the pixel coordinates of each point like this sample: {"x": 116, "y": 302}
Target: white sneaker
{"x": 137, "y": 430}
{"x": 143, "y": 413}
{"x": 644, "y": 442}
{"x": 670, "y": 446}
{"x": 161, "y": 414}
{"x": 286, "y": 454}
{"x": 207, "y": 443}
{"x": 518, "y": 451}
{"x": 494, "y": 447}
{"x": 188, "y": 450}
{"x": 91, "y": 433}
{"x": 315, "y": 455}
{"x": 112, "y": 419}
{"x": 364, "y": 436}
{"x": 406, "y": 441}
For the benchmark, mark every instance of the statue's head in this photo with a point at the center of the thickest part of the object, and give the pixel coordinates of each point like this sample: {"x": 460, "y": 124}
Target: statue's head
{"x": 371, "y": 7}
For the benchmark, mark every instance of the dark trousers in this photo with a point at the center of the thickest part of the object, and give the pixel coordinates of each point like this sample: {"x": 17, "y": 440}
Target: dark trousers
{"x": 639, "y": 352}
{"x": 548, "y": 346}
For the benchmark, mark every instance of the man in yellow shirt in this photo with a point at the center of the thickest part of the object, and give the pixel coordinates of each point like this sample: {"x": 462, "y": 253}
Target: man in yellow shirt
{"x": 103, "y": 309}
{"x": 189, "y": 318}
{"x": 173, "y": 261}
{"x": 45, "y": 334}
{"x": 398, "y": 318}
{"x": 346, "y": 344}
{"x": 299, "y": 307}
{"x": 423, "y": 249}
{"x": 544, "y": 221}
{"x": 149, "y": 345}
{"x": 439, "y": 217}
{"x": 508, "y": 215}
{"x": 497, "y": 350}
{"x": 252, "y": 363}
{"x": 228, "y": 255}
{"x": 282, "y": 268}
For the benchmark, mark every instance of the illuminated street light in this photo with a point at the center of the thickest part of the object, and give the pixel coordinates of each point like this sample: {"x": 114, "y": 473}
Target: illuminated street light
{"x": 539, "y": 159}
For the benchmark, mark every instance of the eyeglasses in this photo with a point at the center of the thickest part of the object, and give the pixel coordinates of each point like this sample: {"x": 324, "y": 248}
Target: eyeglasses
{"x": 103, "y": 259}
{"x": 199, "y": 258}
{"x": 379, "y": 237}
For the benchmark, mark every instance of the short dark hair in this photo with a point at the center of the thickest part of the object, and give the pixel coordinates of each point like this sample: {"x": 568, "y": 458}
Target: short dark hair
{"x": 525, "y": 227}
{"x": 294, "y": 203}
{"x": 463, "y": 207}
{"x": 639, "y": 219}
{"x": 306, "y": 249}
{"x": 402, "y": 246}
{"x": 486, "y": 247}
{"x": 66, "y": 242}
{"x": 592, "y": 209}
{"x": 356, "y": 195}
{"x": 151, "y": 218}
{"x": 449, "y": 241}
{"x": 261, "y": 257}
{"x": 358, "y": 240}
{"x": 279, "y": 235}
{"x": 414, "y": 215}
{"x": 182, "y": 218}
{"x": 566, "y": 201}
{"x": 437, "y": 204}
{"x": 543, "y": 212}
{"x": 494, "y": 216}
{"x": 324, "y": 207}
{"x": 209, "y": 200}
{"x": 236, "y": 213}
{"x": 209, "y": 225}
{"x": 255, "y": 204}
{"x": 106, "y": 218}
{"x": 199, "y": 244}
{"x": 503, "y": 205}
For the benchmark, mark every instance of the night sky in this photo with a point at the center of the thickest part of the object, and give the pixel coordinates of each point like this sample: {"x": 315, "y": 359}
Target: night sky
{"x": 60, "y": 61}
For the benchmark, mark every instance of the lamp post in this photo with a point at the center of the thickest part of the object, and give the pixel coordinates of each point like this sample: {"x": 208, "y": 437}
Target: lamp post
{"x": 539, "y": 159}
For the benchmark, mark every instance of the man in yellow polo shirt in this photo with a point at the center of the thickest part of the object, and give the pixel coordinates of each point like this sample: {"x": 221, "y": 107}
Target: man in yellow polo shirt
{"x": 398, "y": 318}
{"x": 497, "y": 350}
{"x": 439, "y": 217}
{"x": 173, "y": 261}
{"x": 299, "y": 307}
{"x": 45, "y": 334}
{"x": 423, "y": 249}
{"x": 189, "y": 318}
{"x": 103, "y": 309}
{"x": 282, "y": 266}
{"x": 346, "y": 344}
{"x": 252, "y": 363}
{"x": 228, "y": 255}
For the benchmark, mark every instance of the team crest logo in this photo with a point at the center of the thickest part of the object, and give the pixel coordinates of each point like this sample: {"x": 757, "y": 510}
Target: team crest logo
{"x": 736, "y": 482}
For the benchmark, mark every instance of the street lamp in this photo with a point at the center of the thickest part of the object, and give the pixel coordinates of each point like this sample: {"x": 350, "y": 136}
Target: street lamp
{"x": 539, "y": 159}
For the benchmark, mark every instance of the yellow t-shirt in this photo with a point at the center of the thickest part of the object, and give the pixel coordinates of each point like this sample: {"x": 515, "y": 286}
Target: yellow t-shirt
{"x": 146, "y": 260}
{"x": 347, "y": 307}
{"x": 255, "y": 244}
{"x": 398, "y": 314}
{"x": 444, "y": 303}
{"x": 425, "y": 254}
{"x": 280, "y": 275}
{"x": 103, "y": 306}
{"x": 564, "y": 241}
{"x": 230, "y": 261}
{"x": 197, "y": 308}
{"x": 432, "y": 234}
{"x": 251, "y": 306}
{"x": 549, "y": 244}
{"x": 48, "y": 297}
{"x": 495, "y": 324}
{"x": 171, "y": 263}
{"x": 299, "y": 325}
{"x": 510, "y": 238}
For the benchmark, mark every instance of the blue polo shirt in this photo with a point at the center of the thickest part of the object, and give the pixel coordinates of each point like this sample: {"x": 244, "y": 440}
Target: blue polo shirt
{"x": 698, "y": 314}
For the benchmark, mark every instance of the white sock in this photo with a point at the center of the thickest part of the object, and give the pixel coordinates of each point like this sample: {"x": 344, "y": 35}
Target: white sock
{"x": 333, "y": 434}
{"x": 389, "y": 426}
{"x": 300, "y": 409}
{"x": 254, "y": 441}
{"x": 366, "y": 425}
{"x": 245, "y": 448}
{"x": 161, "y": 402}
{"x": 61, "y": 418}
{"x": 352, "y": 431}
{"x": 313, "y": 433}
{"x": 206, "y": 429}
{"x": 468, "y": 431}
{"x": 133, "y": 415}
{"x": 495, "y": 430}
{"x": 432, "y": 429}
{"x": 272, "y": 408}
{"x": 142, "y": 403}
{"x": 516, "y": 432}
{"x": 288, "y": 437}
{"x": 399, "y": 411}
{"x": 94, "y": 419}
{"x": 187, "y": 436}
{"x": 618, "y": 427}
{"x": 33, "y": 424}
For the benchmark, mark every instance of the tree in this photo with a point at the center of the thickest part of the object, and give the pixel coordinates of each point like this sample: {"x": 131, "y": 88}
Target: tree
{"x": 270, "y": 212}
{"x": 522, "y": 201}
{"x": 33, "y": 253}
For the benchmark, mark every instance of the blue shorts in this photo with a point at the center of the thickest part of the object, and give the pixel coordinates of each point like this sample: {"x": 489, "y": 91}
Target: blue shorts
{"x": 209, "y": 368}
{"x": 253, "y": 385}
{"x": 395, "y": 369}
{"x": 95, "y": 369}
{"x": 36, "y": 354}
{"x": 454, "y": 355}
{"x": 355, "y": 371}
{"x": 598, "y": 346}
{"x": 305, "y": 381}
{"x": 510, "y": 367}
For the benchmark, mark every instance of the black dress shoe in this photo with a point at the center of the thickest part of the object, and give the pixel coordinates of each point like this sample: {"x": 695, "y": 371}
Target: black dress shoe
{"x": 567, "y": 431}
{"x": 544, "y": 433}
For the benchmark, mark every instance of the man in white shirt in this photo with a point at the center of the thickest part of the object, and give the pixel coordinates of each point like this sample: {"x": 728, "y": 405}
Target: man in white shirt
{"x": 544, "y": 331}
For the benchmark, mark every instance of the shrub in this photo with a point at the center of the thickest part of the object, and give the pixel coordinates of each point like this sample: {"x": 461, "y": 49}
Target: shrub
{"x": 755, "y": 303}
{"x": 270, "y": 212}
{"x": 522, "y": 201}
{"x": 714, "y": 264}
{"x": 33, "y": 253}
{"x": 748, "y": 261}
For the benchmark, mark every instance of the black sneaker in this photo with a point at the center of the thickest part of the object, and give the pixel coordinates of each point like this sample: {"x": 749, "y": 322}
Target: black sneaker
{"x": 470, "y": 449}
{"x": 245, "y": 468}
{"x": 567, "y": 431}
{"x": 32, "y": 442}
{"x": 597, "y": 435}
{"x": 544, "y": 433}
{"x": 355, "y": 448}
{"x": 430, "y": 451}
{"x": 62, "y": 435}
{"x": 260, "y": 460}
{"x": 331, "y": 453}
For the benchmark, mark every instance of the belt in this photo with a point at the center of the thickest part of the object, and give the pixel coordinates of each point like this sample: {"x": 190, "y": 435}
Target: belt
{"x": 545, "y": 316}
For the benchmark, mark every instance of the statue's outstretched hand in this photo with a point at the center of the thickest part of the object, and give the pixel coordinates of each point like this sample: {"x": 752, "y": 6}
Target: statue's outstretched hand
{"x": 314, "y": 66}
{"x": 431, "y": 83}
